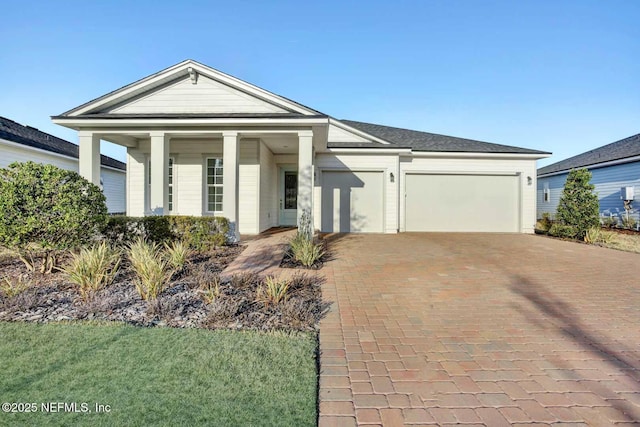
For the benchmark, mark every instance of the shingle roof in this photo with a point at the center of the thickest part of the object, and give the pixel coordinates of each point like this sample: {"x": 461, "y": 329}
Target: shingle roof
{"x": 32, "y": 137}
{"x": 424, "y": 141}
{"x": 628, "y": 147}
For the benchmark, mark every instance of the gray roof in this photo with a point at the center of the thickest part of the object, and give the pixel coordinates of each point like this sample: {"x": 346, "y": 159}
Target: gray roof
{"x": 32, "y": 137}
{"x": 424, "y": 141}
{"x": 628, "y": 147}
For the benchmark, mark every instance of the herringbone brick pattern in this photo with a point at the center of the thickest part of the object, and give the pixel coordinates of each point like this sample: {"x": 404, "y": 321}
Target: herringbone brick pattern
{"x": 479, "y": 329}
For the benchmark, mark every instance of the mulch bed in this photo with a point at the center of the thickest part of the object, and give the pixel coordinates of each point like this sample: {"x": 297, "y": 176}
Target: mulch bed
{"x": 182, "y": 304}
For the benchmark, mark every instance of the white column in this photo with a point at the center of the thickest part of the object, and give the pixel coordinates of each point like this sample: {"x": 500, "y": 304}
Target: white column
{"x": 159, "y": 197}
{"x": 89, "y": 156}
{"x": 305, "y": 175}
{"x": 230, "y": 160}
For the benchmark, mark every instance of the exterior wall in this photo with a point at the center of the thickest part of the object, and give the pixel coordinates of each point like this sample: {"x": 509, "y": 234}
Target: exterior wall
{"x": 189, "y": 179}
{"x": 113, "y": 180}
{"x": 268, "y": 215}
{"x": 607, "y": 180}
{"x": 337, "y": 134}
{"x": 357, "y": 162}
{"x": 207, "y": 96}
{"x": 525, "y": 168}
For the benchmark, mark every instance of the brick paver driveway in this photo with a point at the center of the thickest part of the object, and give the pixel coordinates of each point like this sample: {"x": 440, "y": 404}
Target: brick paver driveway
{"x": 485, "y": 329}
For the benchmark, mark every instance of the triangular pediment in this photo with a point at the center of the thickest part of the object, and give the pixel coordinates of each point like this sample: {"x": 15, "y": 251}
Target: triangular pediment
{"x": 190, "y": 88}
{"x": 204, "y": 95}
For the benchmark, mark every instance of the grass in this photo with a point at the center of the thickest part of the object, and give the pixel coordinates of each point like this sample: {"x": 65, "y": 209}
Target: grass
{"x": 158, "y": 376}
{"x": 624, "y": 242}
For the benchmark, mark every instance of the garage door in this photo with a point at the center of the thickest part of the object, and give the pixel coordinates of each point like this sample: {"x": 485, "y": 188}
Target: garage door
{"x": 352, "y": 202}
{"x": 487, "y": 203}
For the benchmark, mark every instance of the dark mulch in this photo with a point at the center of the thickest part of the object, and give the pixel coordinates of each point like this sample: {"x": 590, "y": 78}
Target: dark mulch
{"x": 182, "y": 304}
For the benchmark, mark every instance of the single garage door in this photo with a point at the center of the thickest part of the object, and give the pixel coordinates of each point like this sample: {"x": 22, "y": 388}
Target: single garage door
{"x": 352, "y": 202}
{"x": 486, "y": 203}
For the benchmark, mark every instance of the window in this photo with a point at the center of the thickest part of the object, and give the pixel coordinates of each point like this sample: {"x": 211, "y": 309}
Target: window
{"x": 171, "y": 183}
{"x": 214, "y": 185}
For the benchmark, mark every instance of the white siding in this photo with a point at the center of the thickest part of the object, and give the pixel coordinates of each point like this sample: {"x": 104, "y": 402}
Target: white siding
{"x": 248, "y": 188}
{"x": 607, "y": 180}
{"x": 268, "y": 189}
{"x": 113, "y": 181}
{"x": 189, "y": 179}
{"x": 207, "y": 96}
{"x": 384, "y": 163}
{"x": 337, "y": 134}
{"x": 526, "y": 168}
{"x": 136, "y": 185}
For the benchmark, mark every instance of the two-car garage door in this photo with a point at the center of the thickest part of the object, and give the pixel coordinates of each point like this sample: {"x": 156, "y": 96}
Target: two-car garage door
{"x": 450, "y": 202}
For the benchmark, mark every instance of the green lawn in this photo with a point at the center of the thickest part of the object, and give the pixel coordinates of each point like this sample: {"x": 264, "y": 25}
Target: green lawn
{"x": 158, "y": 376}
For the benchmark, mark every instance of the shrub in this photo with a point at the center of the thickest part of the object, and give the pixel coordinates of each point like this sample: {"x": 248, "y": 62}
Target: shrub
{"x": 609, "y": 221}
{"x": 14, "y": 286}
{"x": 544, "y": 223}
{"x": 272, "y": 291}
{"x": 177, "y": 253}
{"x": 305, "y": 251}
{"x": 596, "y": 235}
{"x": 93, "y": 269}
{"x": 151, "y": 268}
{"x": 564, "y": 231}
{"x": 210, "y": 289}
{"x": 200, "y": 233}
{"x": 628, "y": 222}
{"x": 579, "y": 206}
{"x": 44, "y": 209}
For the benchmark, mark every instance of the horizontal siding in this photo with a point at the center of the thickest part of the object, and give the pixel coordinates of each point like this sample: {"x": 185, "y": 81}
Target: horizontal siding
{"x": 268, "y": 215}
{"x": 337, "y": 134}
{"x": 526, "y": 168}
{"x": 113, "y": 181}
{"x": 385, "y": 163}
{"x": 207, "y": 96}
{"x": 608, "y": 181}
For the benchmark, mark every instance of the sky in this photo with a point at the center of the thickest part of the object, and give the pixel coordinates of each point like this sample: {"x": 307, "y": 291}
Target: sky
{"x": 560, "y": 76}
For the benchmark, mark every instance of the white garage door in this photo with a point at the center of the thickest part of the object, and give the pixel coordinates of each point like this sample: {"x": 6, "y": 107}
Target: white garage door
{"x": 487, "y": 203}
{"x": 352, "y": 202}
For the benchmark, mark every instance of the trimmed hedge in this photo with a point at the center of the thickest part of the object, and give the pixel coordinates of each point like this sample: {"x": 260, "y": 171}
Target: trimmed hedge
{"x": 200, "y": 233}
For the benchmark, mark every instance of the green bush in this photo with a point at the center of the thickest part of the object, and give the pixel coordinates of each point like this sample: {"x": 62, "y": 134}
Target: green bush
{"x": 93, "y": 269}
{"x": 609, "y": 221}
{"x": 628, "y": 222}
{"x": 579, "y": 206}
{"x": 544, "y": 223}
{"x": 44, "y": 209}
{"x": 564, "y": 231}
{"x": 199, "y": 233}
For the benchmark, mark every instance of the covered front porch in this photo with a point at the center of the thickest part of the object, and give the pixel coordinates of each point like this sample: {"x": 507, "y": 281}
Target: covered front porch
{"x": 256, "y": 177}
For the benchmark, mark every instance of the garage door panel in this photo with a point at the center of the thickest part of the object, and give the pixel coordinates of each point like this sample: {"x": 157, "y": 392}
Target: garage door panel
{"x": 484, "y": 203}
{"x": 352, "y": 201}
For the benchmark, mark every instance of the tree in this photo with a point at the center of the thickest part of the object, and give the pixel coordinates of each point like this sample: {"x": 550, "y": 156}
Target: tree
{"x": 579, "y": 207}
{"x": 44, "y": 209}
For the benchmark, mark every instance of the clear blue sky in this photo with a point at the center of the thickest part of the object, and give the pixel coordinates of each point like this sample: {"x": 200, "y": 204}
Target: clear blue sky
{"x": 560, "y": 76}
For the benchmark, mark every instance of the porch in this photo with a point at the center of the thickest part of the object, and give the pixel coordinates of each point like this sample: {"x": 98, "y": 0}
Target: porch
{"x": 257, "y": 178}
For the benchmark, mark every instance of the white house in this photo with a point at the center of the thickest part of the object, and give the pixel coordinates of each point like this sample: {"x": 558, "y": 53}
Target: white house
{"x": 612, "y": 166}
{"x": 201, "y": 142}
{"x": 20, "y": 143}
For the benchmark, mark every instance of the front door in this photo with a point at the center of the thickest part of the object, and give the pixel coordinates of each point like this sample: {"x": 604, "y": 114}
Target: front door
{"x": 288, "y": 203}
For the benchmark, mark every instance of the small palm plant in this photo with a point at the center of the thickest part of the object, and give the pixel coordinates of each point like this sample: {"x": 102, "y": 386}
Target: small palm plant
{"x": 151, "y": 268}
{"x": 272, "y": 291}
{"x": 177, "y": 254}
{"x": 93, "y": 269}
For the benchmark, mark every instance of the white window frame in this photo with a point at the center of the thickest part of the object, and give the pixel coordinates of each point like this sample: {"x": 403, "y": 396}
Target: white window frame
{"x": 207, "y": 186}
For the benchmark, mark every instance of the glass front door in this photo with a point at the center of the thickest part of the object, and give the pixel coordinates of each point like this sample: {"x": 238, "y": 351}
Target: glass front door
{"x": 288, "y": 196}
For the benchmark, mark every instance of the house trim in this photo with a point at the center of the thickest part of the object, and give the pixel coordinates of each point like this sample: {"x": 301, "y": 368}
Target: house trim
{"x": 594, "y": 166}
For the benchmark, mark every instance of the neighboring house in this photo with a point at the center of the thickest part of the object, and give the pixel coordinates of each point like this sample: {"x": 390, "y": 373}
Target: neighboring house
{"x": 201, "y": 142}
{"x": 612, "y": 166}
{"x": 20, "y": 143}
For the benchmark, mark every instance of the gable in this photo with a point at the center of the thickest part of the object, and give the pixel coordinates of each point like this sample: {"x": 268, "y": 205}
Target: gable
{"x": 204, "y": 96}
{"x": 337, "y": 134}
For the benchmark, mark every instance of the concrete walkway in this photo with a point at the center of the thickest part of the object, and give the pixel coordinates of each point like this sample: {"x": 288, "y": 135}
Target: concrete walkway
{"x": 479, "y": 329}
{"x": 262, "y": 254}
